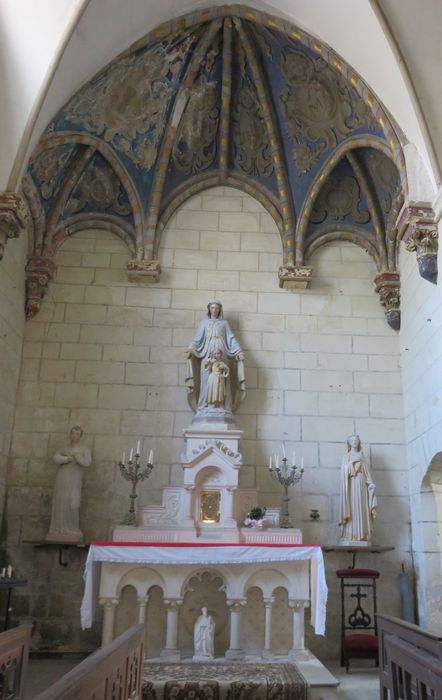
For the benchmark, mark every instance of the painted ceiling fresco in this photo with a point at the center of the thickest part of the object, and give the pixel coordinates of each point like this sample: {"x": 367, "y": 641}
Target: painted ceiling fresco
{"x": 223, "y": 96}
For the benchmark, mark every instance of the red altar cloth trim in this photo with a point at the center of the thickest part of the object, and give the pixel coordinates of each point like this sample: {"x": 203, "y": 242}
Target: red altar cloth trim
{"x": 199, "y": 554}
{"x": 196, "y": 544}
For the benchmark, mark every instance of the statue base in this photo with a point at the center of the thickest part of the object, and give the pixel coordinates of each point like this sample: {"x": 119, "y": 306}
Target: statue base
{"x": 65, "y": 538}
{"x": 354, "y": 543}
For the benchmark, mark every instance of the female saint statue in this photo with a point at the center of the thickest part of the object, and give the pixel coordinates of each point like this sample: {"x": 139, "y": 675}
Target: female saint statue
{"x": 358, "y": 495}
{"x": 65, "y": 519}
{"x": 215, "y": 369}
{"x": 203, "y": 635}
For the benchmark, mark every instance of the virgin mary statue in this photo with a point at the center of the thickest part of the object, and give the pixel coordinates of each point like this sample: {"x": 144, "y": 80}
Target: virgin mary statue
{"x": 214, "y": 343}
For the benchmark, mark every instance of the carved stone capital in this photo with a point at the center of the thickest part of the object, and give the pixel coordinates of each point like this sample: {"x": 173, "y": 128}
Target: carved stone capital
{"x": 387, "y": 285}
{"x": 294, "y": 276}
{"x": 423, "y": 240}
{"x": 143, "y": 270}
{"x": 40, "y": 270}
{"x": 14, "y": 217}
{"x": 417, "y": 227}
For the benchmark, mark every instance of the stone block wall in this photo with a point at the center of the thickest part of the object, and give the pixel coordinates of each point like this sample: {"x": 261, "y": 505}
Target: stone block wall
{"x": 12, "y": 326}
{"x": 421, "y": 353}
{"x": 108, "y": 354}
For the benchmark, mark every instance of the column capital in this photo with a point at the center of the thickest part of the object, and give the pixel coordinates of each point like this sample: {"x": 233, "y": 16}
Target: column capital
{"x": 14, "y": 217}
{"x": 417, "y": 227}
{"x": 387, "y": 285}
{"x": 172, "y": 603}
{"x": 109, "y": 602}
{"x": 299, "y": 604}
{"x": 268, "y": 602}
{"x": 40, "y": 270}
{"x": 236, "y": 605}
{"x": 142, "y": 599}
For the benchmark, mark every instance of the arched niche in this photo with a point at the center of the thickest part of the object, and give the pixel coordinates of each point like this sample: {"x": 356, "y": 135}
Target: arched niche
{"x": 428, "y": 547}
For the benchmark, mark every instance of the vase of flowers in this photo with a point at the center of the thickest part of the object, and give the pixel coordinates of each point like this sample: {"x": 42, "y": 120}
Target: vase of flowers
{"x": 255, "y": 517}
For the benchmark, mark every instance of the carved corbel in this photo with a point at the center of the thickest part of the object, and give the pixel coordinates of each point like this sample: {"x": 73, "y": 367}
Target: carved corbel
{"x": 14, "y": 217}
{"x": 418, "y": 229}
{"x": 143, "y": 271}
{"x": 424, "y": 240}
{"x": 294, "y": 276}
{"x": 40, "y": 270}
{"x": 387, "y": 285}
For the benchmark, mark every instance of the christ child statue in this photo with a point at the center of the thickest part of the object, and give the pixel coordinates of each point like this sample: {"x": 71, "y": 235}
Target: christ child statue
{"x": 216, "y": 382}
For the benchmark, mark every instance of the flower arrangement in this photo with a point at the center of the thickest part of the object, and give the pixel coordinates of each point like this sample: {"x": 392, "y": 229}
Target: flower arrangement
{"x": 255, "y": 517}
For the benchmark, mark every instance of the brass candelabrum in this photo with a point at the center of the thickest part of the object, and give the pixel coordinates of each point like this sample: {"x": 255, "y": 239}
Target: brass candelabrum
{"x": 286, "y": 476}
{"x": 134, "y": 472}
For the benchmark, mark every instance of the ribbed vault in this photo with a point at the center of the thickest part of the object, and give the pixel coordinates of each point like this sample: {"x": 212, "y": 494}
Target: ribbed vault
{"x": 223, "y": 96}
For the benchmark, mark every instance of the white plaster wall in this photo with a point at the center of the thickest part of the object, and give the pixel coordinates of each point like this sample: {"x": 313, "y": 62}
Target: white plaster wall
{"x": 12, "y": 322}
{"x": 109, "y": 355}
{"x": 30, "y": 35}
{"x": 421, "y": 352}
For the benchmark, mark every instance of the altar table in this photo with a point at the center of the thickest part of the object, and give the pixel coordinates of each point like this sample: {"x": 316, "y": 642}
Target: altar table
{"x": 173, "y": 554}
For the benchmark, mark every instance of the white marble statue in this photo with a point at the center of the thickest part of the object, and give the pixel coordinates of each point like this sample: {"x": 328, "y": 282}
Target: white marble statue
{"x": 203, "y": 636}
{"x": 358, "y": 495}
{"x": 65, "y": 519}
{"x": 215, "y": 342}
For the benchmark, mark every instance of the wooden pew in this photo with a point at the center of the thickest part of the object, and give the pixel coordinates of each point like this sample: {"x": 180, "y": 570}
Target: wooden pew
{"x": 14, "y": 653}
{"x": 410, "y": 661}
{"x": 115, "y": 671}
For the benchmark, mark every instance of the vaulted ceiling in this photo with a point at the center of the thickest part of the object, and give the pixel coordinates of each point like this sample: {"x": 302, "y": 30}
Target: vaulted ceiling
{"x": 228, "y": 96}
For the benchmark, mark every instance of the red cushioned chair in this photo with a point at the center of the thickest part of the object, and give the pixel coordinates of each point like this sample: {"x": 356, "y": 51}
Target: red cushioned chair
{"x": 359, "y": 633}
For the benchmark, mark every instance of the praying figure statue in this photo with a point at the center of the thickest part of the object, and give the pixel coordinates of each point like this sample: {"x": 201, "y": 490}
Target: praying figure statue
{"x": 215, "y": 366}
{"x": 65, "y": 518}
{"x": 203, "y": 636}
{"x": 357, "y": 495}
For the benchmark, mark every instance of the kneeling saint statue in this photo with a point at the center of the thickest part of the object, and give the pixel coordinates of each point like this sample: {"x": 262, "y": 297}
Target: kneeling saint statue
{"x": 203, "y": 635}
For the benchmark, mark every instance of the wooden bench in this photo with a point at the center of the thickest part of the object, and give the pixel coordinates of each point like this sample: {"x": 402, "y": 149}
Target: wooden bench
{"x": 410, "y": 661}
{"x": 14, "y": 653}
{"x": 115, "y": 671}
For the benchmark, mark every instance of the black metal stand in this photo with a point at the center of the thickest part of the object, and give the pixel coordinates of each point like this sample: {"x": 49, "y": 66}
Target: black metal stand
{"x": 8, "y": 584}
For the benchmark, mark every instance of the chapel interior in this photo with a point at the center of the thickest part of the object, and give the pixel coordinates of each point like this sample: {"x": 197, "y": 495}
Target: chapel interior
{"x": 282, "y": 160}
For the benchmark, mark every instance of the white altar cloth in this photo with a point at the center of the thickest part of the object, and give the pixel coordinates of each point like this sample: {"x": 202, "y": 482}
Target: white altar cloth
{"x": 194, "y": 553}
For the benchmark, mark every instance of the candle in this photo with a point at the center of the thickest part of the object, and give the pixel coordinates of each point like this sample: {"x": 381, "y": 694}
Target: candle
{"x": 124, "y": 458}
{"x": 302, "y": 462}
{"x": 277, "y": 461}
{"x": 9, "y": 571}
{"x": 150, "y": 457}
{"x": 283, "y": 450}
{"x": 3, "y": 572}
{"x": 293, "y": 457}
{"x": 131, "y": 454}
{"x": 138, "y": 447}
{"x": 270, "y": 463}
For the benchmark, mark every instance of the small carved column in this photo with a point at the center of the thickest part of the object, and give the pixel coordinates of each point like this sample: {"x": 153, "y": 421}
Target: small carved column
{"x": 142, "y": 602}
{"x": 229, "y": 520}
{"x": 268, "y": 605}
{"x": 298, "y": 650}
{"x": 109, "y": 607}
{"x": 234, "y": 651}
{"x": 171, "y": 651}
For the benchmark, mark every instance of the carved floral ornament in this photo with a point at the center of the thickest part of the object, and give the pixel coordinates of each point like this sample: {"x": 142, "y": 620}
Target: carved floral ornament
{"x": 14, "y": 217}
{"x": 226, "y": 95}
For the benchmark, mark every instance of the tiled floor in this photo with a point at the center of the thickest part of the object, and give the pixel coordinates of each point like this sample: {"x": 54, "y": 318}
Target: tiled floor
{"x": 360, "y": 684}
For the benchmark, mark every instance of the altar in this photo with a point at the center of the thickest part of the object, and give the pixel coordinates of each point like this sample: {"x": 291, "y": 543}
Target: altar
{"x": 299, "y": 570}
